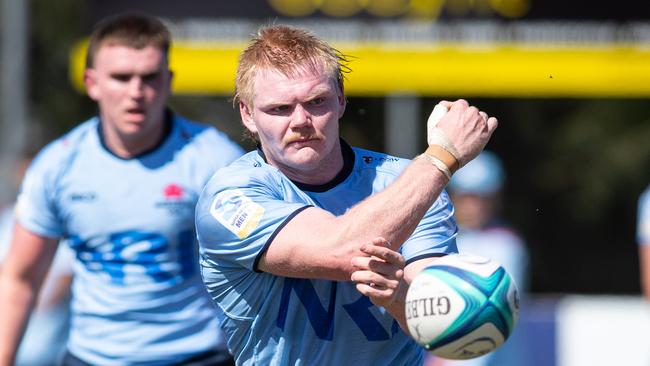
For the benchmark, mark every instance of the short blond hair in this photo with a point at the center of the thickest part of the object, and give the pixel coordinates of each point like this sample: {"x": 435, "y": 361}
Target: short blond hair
{"x": 288, "y": 50}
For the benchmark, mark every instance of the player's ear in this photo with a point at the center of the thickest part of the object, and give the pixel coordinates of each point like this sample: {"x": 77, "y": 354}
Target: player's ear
{"x": 90, "y": 77}
{"x": 247, "y": 117}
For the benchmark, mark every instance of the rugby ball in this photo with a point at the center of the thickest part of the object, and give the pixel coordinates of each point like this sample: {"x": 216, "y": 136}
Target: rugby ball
{"x": 462, "y": 306}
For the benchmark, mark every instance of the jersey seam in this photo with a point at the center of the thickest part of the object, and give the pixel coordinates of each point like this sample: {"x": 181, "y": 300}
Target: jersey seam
{"x": 274, "y": 234}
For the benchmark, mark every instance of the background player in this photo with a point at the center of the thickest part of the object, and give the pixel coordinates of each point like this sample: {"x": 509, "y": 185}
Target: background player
{"x": 284, "y": 229}
{"x": 476, "y": 191}
{"x": 121, "y": 187}
{"x": 477, "y": 194}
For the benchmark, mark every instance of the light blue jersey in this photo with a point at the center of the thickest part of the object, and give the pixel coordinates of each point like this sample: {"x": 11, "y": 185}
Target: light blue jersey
{"x": 273, "y": 320}
{"x": 138, "y": 298}
{"x": 643, "y": 219}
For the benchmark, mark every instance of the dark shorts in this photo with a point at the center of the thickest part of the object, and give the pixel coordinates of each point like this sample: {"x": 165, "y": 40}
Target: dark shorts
{"x": 211, "y": 358}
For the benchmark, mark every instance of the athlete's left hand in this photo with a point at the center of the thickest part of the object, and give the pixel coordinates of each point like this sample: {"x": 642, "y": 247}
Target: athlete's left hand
{"x": 379, "y": 274}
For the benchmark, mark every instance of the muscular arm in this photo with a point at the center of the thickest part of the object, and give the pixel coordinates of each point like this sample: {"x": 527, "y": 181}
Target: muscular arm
{"x": 21, "y": 276}
{"x": 317, "y": 244}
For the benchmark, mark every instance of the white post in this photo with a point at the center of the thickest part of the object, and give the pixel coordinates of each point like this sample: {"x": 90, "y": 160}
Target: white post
{"x": 13, "y": 90}
{"x": 402, "y": 126}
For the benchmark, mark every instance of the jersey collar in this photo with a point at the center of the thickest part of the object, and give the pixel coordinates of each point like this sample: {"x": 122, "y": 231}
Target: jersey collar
{"x": 169, "y": 118}
{"x": 348, "y": 164}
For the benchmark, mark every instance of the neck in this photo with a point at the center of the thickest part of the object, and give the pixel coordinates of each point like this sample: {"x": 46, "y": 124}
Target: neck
{"x": 127, "y": 146}
{"x": 321, "y": 173}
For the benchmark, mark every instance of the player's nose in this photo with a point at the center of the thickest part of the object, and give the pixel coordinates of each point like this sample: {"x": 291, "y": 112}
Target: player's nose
{"x": 135, "y": 87}
{"x": 300, "y": 117}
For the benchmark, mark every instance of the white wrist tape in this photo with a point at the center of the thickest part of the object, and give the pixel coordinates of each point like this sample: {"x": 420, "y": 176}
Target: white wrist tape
{"x": 436, "y": 136}
{"x": 436, "y": 115}
{"x": 437, "y": 163}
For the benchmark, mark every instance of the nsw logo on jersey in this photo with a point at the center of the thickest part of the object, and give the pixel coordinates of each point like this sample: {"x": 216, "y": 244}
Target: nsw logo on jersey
{"x": 177, "y": 200}
{"x": 237, "y": 212}
{"x": 173, "y": 191}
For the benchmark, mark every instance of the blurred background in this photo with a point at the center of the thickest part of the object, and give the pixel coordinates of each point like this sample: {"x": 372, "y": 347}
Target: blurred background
{"x": 568, "y": 80}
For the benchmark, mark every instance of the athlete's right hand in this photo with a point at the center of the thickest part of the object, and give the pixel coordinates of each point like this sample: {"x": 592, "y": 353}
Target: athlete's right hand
{"x": 468, "y": 128}
{"x": 379, "y": 273}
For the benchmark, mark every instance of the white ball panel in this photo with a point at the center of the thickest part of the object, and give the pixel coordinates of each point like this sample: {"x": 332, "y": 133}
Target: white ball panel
{"x": 477, "y": 343}
{"x": 431, "y": 307}
{"x": 482, "y": 266}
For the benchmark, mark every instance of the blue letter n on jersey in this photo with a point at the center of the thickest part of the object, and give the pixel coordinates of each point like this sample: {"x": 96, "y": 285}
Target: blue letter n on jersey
{"x": 321, "y": 319}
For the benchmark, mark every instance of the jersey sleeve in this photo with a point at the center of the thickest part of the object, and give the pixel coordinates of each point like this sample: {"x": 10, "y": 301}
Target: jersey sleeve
{"x": 435, "y": 235}
{"x": 643, "y": 219}
{"x": 36, "y": 206}
{"x": 238, "y": 216}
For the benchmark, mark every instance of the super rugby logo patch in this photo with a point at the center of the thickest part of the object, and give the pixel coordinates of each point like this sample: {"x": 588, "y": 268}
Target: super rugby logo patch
{"x": 238, "y": 213}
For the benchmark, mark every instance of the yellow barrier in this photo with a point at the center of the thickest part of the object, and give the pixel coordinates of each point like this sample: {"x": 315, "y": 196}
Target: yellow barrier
{"x": 494, "y": 70}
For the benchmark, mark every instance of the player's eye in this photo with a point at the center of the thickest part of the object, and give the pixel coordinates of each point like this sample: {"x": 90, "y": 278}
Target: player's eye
{"x": 122, "y": 77}
{"x": 280, "y": 109}
{"x": 150, "y": 77}
{"x": 317, "y": 101}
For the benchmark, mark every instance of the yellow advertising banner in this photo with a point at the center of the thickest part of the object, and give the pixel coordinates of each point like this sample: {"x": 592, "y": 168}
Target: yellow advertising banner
{"x": 430, "y": 69}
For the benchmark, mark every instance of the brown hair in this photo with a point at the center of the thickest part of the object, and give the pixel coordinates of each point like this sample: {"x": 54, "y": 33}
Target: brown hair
{"x": 288, "y": 50}
{"x": 132, "y": 30}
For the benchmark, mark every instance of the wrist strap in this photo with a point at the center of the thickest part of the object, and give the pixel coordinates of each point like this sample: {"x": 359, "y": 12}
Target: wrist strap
{"x": 438, "y": 137}
{"x": 445, "y": 156}
{"x": 436, "y": 162}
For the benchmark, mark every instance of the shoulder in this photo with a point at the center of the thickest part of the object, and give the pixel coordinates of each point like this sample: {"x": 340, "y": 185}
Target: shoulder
{"x": 245, "y": 180}
{"x": 205, "y": 136}
{"x": 249, "y": 169}
{"x": 55, "y": 155}
{"x": 373, "y": 160}
{"x": 385, "y": 168}
{"x": 41, "y": 183}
